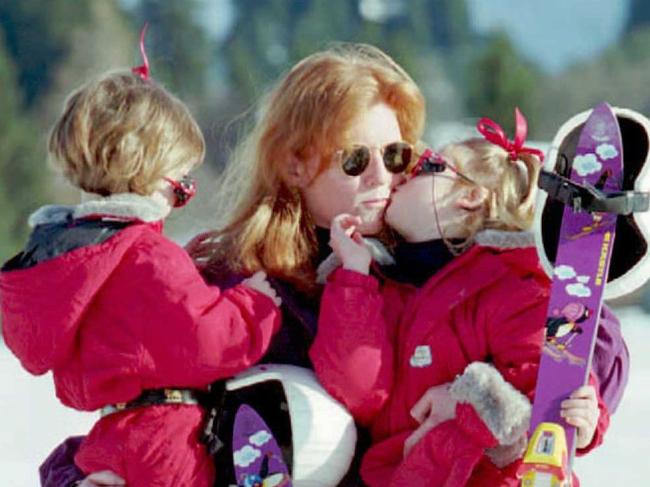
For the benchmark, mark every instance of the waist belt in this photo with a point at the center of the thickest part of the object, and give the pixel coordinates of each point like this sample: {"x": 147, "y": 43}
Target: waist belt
{"x": 152, "y": 397}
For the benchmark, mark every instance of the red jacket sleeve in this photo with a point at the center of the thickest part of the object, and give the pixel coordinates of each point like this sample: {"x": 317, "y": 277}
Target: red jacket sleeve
{"x": 352, "y": 352}
{"x": 446, "y": 455}
{"x": 489, "y": 412}
{"x": 191, "y": 333}
{"x": 514, "y": 330}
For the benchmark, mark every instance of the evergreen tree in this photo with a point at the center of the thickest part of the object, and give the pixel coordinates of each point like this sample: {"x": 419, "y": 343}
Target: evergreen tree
{"x": 37, "y": 37}
{"x": 178, "y": 47}
{"x": 20, "y": 179}
{"x": 270, "y": 36}
{"x": 498, "y": 81}
{"x": 619, "y": 76}
{"x": 638, "y": 15}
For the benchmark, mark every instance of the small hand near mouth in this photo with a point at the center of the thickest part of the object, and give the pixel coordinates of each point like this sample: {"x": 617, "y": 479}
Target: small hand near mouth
{"x": 348, "y": 244}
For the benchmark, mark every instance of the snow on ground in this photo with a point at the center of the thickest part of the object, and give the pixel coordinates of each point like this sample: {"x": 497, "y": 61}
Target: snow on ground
{"x": 32, "y": 422}
{"x": 621, "y": 459}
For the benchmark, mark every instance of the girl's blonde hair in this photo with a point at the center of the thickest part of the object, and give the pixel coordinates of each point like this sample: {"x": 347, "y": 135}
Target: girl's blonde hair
{"x": 511, "y": 185}
{"x": 120, "y": 133}
{"x": 308, "y": 113}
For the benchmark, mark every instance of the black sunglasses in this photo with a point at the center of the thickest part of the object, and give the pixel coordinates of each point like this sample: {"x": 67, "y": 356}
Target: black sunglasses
{"x": 396, "y": 156}
{"x": 432, "y": 162}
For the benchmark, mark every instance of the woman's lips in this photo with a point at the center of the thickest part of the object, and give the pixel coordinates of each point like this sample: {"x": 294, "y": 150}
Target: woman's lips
{"x": 375, "y": 202}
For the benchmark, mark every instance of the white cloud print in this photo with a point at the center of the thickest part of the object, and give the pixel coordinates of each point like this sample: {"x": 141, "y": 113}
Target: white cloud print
{"x": 586, "y": 164}
{"x": 259, "y": 438}
{"x": 564, "y": 272}
{"x": 578, "y": 289}
{"x": 246, "y": 455}
{"x": 583, "y": 279}
{"x": 606, "y": 151}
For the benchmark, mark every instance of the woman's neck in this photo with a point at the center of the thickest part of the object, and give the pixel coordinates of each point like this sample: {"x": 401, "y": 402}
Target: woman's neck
{"x": 323, "y": 240}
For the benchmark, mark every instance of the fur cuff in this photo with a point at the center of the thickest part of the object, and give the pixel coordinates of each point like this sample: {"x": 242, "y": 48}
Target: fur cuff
{"x": 378, "y": 252}
{"x": 503, "y": 409}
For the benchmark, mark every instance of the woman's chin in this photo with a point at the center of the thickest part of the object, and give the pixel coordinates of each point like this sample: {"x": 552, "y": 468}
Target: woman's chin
{"x": 371, "y": 227}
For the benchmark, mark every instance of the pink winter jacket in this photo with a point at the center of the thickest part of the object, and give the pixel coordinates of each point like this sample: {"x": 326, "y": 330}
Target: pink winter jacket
{"x": 379, "y": 350}
{"x": 131, "y": 313}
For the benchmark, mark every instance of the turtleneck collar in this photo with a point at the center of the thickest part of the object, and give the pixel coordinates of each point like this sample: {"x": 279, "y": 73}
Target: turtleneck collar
{"x": 323, "y": 240}
{"x": 416, "y": 262}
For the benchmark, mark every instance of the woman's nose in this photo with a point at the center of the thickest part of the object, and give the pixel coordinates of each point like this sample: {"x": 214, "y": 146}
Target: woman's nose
{"x": 376, "y": 173}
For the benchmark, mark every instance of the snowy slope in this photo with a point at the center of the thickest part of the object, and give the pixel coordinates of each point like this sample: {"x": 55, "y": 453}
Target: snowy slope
{"x": 32, "y": 422}
{"x": 621, "y": 459}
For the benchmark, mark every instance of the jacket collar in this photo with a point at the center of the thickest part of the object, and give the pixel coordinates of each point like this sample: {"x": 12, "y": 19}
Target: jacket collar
{"x": 467, "y": 274}
{"x": 504, "y": 239}
{"x": 121, "y": 206}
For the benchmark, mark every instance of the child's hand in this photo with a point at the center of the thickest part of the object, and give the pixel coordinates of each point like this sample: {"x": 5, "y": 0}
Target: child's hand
{"x": 503, "y": 455}
{"x": 581, "y": 410}
{"x": 348, "y": 244}
{"x": 434, "y": 407}
{"x": 259, "y": 282}
{"x": 105, "y": 478}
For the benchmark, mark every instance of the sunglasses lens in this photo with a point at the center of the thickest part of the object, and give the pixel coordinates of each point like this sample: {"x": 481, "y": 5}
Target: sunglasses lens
{"x": 397, "y": 156}
{"x": 356, "y": 160}
{"x": 430, "y": 166}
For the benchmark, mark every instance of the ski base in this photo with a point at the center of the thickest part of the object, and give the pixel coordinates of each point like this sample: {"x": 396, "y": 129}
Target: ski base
{"x": 545, "y": 463}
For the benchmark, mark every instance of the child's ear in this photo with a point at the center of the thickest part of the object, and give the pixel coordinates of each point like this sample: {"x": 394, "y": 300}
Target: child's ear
{"x": 473, "y": 199}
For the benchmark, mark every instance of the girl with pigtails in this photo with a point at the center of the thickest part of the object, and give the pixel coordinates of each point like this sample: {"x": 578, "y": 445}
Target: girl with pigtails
{"x": 440, "y": 361}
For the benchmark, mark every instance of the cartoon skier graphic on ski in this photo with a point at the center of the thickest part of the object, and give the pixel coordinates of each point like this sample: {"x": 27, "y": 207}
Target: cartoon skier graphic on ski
{"x": 562, "y": 327}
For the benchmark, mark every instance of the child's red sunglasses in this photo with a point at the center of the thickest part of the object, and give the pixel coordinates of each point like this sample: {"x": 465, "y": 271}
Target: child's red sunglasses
{"x": 431, "y": 162}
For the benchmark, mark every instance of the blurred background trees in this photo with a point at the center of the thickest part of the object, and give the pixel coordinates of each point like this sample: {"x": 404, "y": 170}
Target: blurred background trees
{"x": 220, "y": 56}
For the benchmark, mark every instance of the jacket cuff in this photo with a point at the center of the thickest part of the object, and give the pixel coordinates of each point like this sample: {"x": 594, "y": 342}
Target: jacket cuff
{"x": 347, "y": 277}
{"x": 503, "y": 409}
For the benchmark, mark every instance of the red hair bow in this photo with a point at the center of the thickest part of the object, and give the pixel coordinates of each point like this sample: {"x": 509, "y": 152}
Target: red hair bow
{"x": 143, "y": 69}
{"x": 493, "y": 132}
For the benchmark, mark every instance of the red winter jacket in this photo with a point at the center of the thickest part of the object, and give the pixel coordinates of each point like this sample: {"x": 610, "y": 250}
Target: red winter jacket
{"x": 378, "y": 351}
{"x": 111, "y": 317}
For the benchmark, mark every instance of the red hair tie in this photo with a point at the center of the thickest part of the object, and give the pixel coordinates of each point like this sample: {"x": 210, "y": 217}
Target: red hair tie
{"x": 493, "y": 132}
{"x": 143, "y": 69}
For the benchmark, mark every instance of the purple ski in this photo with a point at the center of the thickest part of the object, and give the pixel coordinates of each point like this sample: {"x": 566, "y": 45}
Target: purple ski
{"x": 579, "y": 276}
{"x": 256, "y": 455}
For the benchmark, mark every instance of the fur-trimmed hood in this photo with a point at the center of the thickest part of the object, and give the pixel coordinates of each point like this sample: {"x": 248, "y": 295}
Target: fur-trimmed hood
{"x": 121, "y": 206}
{"x": 70, "y": 256}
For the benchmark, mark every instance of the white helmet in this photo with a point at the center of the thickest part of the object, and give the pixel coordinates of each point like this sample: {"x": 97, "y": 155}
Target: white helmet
{"x": 316, "y": 434}
{"x": 630, "y": 264}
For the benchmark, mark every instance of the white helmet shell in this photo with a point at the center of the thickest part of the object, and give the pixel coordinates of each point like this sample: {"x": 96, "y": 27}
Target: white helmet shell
{"x": 324, "y": 433}
{"x": 630, "y": 266}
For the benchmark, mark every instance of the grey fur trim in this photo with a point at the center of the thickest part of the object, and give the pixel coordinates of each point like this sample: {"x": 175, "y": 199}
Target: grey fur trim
{"x": 378, "y": 252}
{"x": 121, "y": 205}
{"x": 124, "y": 205}
{"x": 505, "y": 410}
{"x": 50, "y": 214}
{"x": 505, "y": 240}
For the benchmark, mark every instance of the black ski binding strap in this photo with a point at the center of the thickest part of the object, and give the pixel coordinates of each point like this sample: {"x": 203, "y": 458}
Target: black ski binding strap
{"x": 588, "y": 198}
